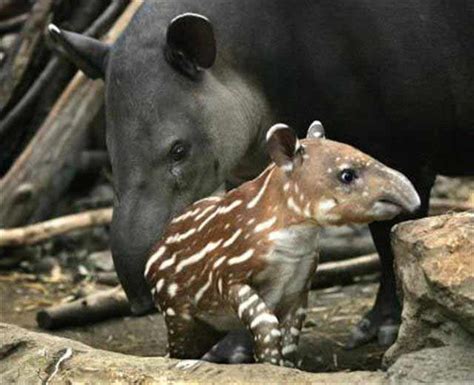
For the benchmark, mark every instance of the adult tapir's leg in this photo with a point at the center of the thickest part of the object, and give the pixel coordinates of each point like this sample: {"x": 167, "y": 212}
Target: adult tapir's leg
{"x": 383, "y": 320}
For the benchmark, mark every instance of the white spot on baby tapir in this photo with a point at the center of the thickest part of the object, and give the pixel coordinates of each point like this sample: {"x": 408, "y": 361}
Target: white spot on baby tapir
{"x": 219, "y": 262}
{"x": 275, "y": 333}
{"x": 246, "y": 304}
{"x": 180, "y": 237}
{"x": 294, "y": 331}
{"x": 232, "y": 239}
{"x": 250, "y": 221}
{"x": 286, "y": 186}
{"x": 154, "y": 258}
{"x": 198, "y": 256}
{"x": 265, "y": 225}
{"x": 260, "y": 307}
{"x": 293, "y": 206}
{"x": 159, "y": 285}
{"x": 244, "y": 290}
{"x": 288, "y": 349}
{"x": 203, "y": 289}
{"x": 186, "y": 215}
{"x": 220, "y": 210}
{"x": 172, "y": 289}
{"x": 263, "y": 318}
{"x": 168, "y": 262}
{"x": 322, "y": 211}
{"x": 204, "y": 212}
{"x": 241, "y": 258}
{"x": 297, "y": 189}
{"x": 259, "y": 195}
{"x": 219, "y": 285}
{"x": 170, "y": 311}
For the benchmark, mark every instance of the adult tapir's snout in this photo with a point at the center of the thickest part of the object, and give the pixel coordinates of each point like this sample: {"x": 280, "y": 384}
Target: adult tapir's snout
{"x": 397, "y": 195}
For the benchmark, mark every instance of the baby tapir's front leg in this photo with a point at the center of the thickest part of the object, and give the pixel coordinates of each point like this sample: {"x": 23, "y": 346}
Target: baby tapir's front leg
{"x": 261, "y": 321}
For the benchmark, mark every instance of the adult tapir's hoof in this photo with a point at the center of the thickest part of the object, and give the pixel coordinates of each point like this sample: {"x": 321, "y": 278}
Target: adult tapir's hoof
{"x": 366, "y": 330}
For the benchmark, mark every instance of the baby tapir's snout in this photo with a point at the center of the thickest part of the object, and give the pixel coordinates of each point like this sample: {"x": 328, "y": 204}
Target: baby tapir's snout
{"x": 397, "y": 194}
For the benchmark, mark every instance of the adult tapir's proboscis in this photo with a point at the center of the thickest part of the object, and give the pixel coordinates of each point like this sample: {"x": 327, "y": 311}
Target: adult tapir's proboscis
{"x": 191, "y": 88}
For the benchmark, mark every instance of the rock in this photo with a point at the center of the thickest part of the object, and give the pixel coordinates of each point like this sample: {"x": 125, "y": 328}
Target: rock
{"x": 448, "y": 365}
{"x": 101, "y": 260}
{"x": 434, "y": 265}
{"x": 28, "y": 356}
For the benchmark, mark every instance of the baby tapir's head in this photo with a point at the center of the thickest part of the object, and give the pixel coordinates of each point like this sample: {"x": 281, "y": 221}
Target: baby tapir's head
{"x": 333, "y": 183}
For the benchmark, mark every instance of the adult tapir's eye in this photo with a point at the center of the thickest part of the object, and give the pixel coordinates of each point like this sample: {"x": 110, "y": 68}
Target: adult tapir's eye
{"x": 347, "y": 176}
{"x": 178, "y": 151}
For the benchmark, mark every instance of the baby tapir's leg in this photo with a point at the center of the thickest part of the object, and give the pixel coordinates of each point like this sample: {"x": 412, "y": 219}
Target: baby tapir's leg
{"x": 188, "y": 337}
{"x": 291, "y": 329}
{"x": 260, "y": 320}
{"x": 235, "y": 348}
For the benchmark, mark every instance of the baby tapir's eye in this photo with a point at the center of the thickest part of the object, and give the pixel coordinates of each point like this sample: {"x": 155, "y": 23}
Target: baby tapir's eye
{"x": 178, "y": 151}
{"x": 347, "y": 176}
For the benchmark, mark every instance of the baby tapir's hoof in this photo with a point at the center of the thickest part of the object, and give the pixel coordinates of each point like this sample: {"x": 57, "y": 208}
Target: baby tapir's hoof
{"x": 235, "y": 348}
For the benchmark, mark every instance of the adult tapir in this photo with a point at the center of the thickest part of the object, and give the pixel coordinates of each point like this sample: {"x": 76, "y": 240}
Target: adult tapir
{"x": 192, "y": 87}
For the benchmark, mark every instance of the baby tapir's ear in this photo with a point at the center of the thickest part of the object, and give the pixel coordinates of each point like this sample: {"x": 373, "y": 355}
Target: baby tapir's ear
{"x": 315, "y": 130}
{"x": 283, "y": 146}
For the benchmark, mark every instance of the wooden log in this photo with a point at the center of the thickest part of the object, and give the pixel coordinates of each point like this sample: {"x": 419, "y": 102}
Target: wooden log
{"x": 38, "y": 232}
{"x": 342, "y": 272}
{"x": 50, "y": 157}
{"x": 92, "y": 308}
{"x": 13, "y": 70}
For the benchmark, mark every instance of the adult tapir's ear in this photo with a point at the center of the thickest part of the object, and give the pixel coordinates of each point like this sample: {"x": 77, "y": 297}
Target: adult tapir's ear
{"x": 315, "y": 130}
{"x": 89, "y": 55}
{"x": 283, "y": 146}
{"x": 191, "y": 42}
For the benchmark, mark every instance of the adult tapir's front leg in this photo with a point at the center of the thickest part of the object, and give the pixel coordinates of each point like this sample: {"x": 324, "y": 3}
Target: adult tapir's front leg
{"x": 383, "y": 320}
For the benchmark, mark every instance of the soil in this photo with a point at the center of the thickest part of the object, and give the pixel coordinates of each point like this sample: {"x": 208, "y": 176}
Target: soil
{"x": 331, "y": 314}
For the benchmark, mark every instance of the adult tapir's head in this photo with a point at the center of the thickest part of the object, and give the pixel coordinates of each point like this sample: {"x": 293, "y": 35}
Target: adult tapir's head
{"x": 177, "y": 123}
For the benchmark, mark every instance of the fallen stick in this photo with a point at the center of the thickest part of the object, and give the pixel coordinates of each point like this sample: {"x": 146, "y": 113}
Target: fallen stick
{"x": 341, "y": 272}
{"x": 44, "y": 169}
{"x": 38, "y": 232}
{"x": 92, "y": 308}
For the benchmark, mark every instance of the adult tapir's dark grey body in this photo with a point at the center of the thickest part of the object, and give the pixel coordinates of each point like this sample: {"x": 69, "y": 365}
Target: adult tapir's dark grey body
{"x": 394, "y": 79}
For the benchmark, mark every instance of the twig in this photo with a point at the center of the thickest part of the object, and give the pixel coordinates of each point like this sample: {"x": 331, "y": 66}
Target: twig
{"x": 13, "y": 23}
{"x": 65, "y": 356}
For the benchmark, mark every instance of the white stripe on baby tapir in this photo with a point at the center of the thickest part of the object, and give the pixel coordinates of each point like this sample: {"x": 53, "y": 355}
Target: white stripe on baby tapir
{"x": 168, "y": 262}
{"x": 265, "y": 225}
{"x": 232, "y": 239}
{"x": 263, "y": 318}
{"x": 219, "y": 285}
{"x": 219, "y": 262}
{"x": 260, "y": 307}
{"x": 172, "y": 289}
{"x": 241, "y": 258}
{"x": 293, "y": 206}
{"x": 245, "y": 305}
{"x": 154, "y": 258}
{"x": 159, "y": 285}
{"x": 288, "y": 349}
{"x": 186, "y": 215}
{"x": 220, "y": 210}
{"x": 244, "y": 290}
{"x": 204, "y": 212}
{"x": 170, "y": 311}
{"x": 198, "y": 256}
{"x": 203, "y": 289}
{"x": 180, "y": 237}
{"x": 250, "y": 221}
{"x": 259, "y": 195}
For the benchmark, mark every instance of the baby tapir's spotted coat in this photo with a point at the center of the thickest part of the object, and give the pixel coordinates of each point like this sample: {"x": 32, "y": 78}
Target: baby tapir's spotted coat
{"x": 253, "y": 252}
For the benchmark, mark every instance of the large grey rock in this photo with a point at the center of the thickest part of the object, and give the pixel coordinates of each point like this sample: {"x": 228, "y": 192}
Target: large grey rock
{"x": 434, "y": 263}
{"x": 449, "y": 365}
{"x": 28, "y": 358}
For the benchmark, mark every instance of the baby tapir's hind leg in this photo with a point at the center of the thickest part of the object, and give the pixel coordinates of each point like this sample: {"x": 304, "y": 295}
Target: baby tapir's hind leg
{"x": 188, "y": 337}
{"x": 260, "y": 320}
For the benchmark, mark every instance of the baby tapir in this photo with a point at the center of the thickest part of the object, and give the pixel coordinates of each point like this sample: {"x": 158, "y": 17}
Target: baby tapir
{"x": 253, "y": 251}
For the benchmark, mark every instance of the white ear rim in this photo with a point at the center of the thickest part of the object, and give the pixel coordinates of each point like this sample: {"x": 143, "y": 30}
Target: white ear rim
{"x": 52, "y": 28}
{"x": 189, "y": 14}
{"x": 281, "y": 126}
{"x": 315, "y": 130}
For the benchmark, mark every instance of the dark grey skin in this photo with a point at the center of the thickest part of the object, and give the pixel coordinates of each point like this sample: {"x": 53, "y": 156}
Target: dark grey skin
{"x": 188, "y": 105}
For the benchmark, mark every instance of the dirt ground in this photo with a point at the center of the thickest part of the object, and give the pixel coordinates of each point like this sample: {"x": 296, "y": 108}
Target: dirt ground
{"x": 331, "y": 314}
